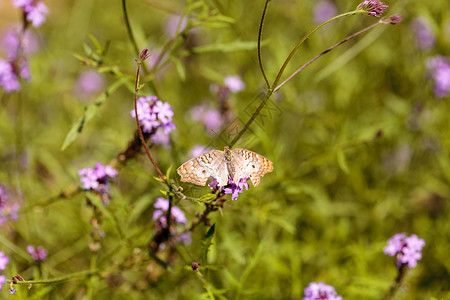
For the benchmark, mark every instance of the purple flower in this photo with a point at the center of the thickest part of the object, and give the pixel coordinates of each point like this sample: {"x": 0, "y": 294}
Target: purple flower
{"x": 88, "y": 178}
{"x": 197, "y": 112}
{"x": 424, "y": 36}
{"x": 174, "y": 22}
{"x": 320, "y": 291}
{"x": 198, "y": 149}
{"x": 155, "y": 117}
{"x": 11, "y": 71}
{"x": 3, "y": 196}
{"x": 162, "y": 205}
{"x": 213, "y": 119}
{"x": 195, "y": 266}
{"x": 231, "y": 187}
{"x": 2, "y": 281}
{"x": 38, "y": 254}
{"x": 160, "y": 138}
{"x": 97, "y": 178}
{"x": 8, "y": 210}
{"x": 373, "y": 7}
{"x": 11, "y": 42}
{"x": 234, "y": 83}
{"x": 395, "y": 19}
{"x": 12, "y": 290}
{"x": 3, "y": 260}
{"x": 407, "y": 249}
{"x": 8, "y": 78}
{"x": 35, "y": 11}
{"x": 324, "y": 10}
{"x": 184, "y": 238}
{"x": 440, "y": 71}
{"x": 89, "y": 82}
{"x": 22, "y": 3}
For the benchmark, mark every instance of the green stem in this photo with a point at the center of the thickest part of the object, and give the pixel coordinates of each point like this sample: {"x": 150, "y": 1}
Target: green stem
{"x": 128, "y": 25}
{"x": 259, "y": 45}
{"x": 64, "y": 278}
{"x": 270, "y": 90}
{"x": 325, "y": 52}
{"x": 304, "y": 38}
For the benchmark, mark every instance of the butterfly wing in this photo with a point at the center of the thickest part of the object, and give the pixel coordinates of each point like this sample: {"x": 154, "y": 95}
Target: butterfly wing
{"x": 209, "y": 164}
{"x": 248, "y": 164}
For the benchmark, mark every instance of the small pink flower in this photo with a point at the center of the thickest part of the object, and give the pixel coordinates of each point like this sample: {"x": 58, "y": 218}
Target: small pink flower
{"x": 373, "y": 7}
{"x": 234, "y": 83}
{"x": 38, "y": 254}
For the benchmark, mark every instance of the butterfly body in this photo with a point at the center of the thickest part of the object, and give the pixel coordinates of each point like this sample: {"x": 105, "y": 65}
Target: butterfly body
{"x": 237, "y": 164}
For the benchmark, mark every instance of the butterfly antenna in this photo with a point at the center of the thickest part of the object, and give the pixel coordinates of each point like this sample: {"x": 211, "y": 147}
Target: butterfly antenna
{"x": 225, "y": 142}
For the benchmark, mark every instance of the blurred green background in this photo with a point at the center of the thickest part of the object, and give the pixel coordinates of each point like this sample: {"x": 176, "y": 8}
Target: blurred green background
{"x": 359, "y": 142}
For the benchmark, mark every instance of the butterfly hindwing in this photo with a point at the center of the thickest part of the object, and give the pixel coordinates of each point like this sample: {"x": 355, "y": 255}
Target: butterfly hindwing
{"x": 248, "y": 164}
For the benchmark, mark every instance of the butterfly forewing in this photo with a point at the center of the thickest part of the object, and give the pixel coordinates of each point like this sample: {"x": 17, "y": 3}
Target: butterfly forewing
{"x": 249, "y": 164}
{"x": 209, "y": 164}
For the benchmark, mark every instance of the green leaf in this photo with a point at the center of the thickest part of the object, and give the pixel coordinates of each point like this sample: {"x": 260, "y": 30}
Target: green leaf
{"x": 208, "y": 197}
{"x": 207, "y": 242}
{"x": 89, "y": 113}
{"x": 218, "y": 21}
{"x": 251, "y": 265}
{"x": 158, "y": 179}
{"x": 180, "y": 68}
{"x": 342, "y": 161}
{"x": 169, "y": 170}
{"x": 96, "y": 43}
{"x": 221, "y": 47}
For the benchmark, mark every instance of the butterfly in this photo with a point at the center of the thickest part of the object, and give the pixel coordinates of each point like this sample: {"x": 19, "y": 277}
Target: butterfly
{"x": 236, "y": 164}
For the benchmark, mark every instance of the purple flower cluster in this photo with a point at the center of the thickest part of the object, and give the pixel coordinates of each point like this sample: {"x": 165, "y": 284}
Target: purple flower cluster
{"x": 211, "y": 118}
{"x": 38, "y": 253}
{"x": 155, "y": 117}
{"x": 177, "y": 216}
{"x": 324, "y": 10}
{"x": 3, "y": 262}
{"x": 11, "y": 42}
{"x": 35, "y": 11}
{"x": 8, "y": 211}
{"x": 407, "y": 249}
{"x": 89, "y": 82}
{"x": 162, "y": 206}
{"x": 439, "y": 66}
{"x": 11, "y": 71}
{"x": 234, "y": 83}
{"x": 231, "y": 188}
{"x": 97, "y": 178}
{"x": 15, "y": 67}
{"x": 424, "y": 36}
{"x": 320, "y": 291}
{"x": 373, "y": 7}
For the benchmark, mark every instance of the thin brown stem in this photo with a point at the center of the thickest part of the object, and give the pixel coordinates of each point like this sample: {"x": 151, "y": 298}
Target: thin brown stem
{"x": 259, "y": 44}
{"x": 402, "y": 270}
{"x": 141, "y": 135}
{"x": 252, "y": 118}
{"x": 304, "y": 38}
